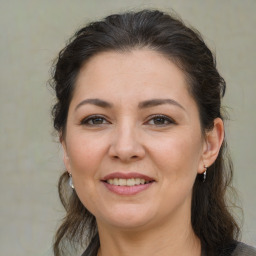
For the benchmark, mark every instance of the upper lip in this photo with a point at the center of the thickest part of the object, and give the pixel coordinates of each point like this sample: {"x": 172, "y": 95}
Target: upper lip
{"x": 130, "y": 175}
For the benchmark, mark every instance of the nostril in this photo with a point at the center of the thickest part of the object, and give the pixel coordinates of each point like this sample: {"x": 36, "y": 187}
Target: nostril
{"x": 132, "y": 157}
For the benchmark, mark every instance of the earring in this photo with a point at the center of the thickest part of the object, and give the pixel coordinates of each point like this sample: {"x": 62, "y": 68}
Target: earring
{"x": 204, "y": 173}
{"x": 70, "y": 181}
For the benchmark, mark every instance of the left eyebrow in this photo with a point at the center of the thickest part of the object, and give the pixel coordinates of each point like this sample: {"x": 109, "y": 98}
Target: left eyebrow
{"x": 96, "y": 102}
{"x": 157, "y": 102}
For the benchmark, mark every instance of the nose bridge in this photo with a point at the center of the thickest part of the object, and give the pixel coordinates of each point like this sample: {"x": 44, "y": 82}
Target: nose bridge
{"x": 126, "y": 144}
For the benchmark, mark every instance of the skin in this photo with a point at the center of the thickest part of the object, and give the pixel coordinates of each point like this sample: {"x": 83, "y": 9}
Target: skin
{"x": 129, "y": 138}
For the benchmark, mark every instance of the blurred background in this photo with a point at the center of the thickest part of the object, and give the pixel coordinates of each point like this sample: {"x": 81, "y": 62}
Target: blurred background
{"x": 32, "y": 33}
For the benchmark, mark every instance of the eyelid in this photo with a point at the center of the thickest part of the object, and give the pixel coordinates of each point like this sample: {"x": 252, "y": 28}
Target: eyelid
{"x": 91, "y": 117}
{"x": 169, "y": 119}
{"x": 85, "y": 120}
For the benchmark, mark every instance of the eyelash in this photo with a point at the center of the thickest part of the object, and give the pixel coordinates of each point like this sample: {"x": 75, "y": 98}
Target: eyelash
{"x": 92, "y": 118}
{"x": 164, "y": 118}
{"x": 86, "y": 120}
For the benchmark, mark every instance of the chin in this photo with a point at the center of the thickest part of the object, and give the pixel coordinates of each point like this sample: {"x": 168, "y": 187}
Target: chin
{"x": 128, "y": 224}
{"x": 128, "y": 218}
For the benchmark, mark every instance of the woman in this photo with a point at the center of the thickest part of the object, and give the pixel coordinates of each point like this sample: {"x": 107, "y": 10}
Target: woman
{"x": 139, "y": 117}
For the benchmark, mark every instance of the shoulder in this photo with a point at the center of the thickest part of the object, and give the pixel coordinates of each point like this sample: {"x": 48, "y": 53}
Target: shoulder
{"x": 244, "y": 250}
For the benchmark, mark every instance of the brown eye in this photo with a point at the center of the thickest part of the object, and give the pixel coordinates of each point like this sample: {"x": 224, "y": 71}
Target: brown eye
{"x": 94, "y": 120}
{"x": 160, "y": 120}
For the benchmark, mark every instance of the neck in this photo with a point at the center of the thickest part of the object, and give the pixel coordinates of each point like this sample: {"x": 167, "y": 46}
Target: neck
{"x": 175, "y": 238}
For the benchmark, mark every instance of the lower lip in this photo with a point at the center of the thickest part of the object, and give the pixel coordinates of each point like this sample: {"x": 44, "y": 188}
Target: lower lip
{"x": 127, "y": 190}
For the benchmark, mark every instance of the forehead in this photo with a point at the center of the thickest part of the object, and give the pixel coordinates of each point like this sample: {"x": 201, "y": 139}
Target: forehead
{"x": 133, "y": 75}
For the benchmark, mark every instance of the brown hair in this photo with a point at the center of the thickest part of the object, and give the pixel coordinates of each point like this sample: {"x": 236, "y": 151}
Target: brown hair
{"x": 211, "y": 219}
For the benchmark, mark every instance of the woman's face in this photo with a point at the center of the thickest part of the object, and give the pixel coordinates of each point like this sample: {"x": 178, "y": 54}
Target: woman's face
{"x": 133, "y": 141}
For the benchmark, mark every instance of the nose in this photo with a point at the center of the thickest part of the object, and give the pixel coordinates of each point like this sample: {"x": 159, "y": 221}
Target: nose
{"x": 126, "y": 144}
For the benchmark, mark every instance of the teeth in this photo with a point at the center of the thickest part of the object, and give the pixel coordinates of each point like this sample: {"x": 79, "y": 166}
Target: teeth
{"x": 127, "y": 182}
{"x": 122, "y": 182}
{"x": 137, "y": 181}
{"x": 130, "y": 182}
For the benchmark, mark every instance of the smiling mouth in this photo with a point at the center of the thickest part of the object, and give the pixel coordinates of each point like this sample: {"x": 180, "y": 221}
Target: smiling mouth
{"x": 128, "y": 182}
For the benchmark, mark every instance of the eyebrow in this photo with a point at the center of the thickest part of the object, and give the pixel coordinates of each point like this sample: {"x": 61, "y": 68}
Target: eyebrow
{"x": 157, "y": 102}
{"x": 97, "y": 102}
{"x": 143, "y": 104}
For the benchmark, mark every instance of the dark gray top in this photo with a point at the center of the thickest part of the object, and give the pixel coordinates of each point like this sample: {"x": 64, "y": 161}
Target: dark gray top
{"x": 236, "y": 249}
{"x": 244, "y": 250}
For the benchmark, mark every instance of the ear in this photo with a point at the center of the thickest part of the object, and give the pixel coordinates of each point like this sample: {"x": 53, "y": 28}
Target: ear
{"x": 65, "y": 156}
{"x": 212, "y": 144}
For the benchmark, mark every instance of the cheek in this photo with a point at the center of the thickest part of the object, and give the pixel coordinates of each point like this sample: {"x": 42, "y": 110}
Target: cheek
{"x": 178, "y": 155}
{"x": 85, "y": 155}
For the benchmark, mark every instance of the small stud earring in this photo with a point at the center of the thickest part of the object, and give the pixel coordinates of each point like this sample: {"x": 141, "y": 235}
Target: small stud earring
{"x": 70, "y": 181}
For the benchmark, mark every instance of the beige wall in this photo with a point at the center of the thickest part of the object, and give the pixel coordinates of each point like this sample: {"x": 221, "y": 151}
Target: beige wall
{"x": 32, "y": 32}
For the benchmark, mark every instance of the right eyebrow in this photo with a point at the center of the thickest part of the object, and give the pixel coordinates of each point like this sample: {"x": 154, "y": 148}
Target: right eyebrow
{"x": 96, "y": 102}
{"x": 157, "y": 102}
